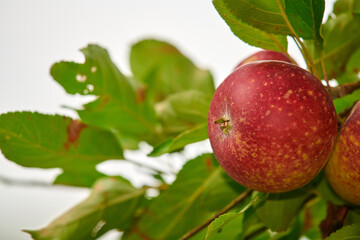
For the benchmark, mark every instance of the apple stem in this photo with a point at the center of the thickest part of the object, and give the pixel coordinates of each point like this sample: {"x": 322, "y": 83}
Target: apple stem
{"x": 224, "y": 124}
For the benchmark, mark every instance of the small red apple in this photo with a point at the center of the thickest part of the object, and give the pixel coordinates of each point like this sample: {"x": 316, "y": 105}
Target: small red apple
{"x": 343, "y": 168}
{"x": 272, "y": 126}
{"x": 266, "y": 55}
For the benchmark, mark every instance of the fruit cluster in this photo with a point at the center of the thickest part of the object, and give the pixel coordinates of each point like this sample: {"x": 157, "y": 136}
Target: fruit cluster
{"x": 273, "y": 127}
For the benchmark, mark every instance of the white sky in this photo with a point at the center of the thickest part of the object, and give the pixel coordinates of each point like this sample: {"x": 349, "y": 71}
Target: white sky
{"x": 35, "y": 34}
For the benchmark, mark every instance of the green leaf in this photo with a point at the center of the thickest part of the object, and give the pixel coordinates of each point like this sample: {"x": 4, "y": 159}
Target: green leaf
{"x": 163, "y": 70}
{"x": 306, "y": 17}
{"x": 128, "y": 126}
{"x": 280, "y": 209}
{"x": 349, "y": 6}
{"x": 326, "y": 192}
{"x": 111, "y": 204}
{"x": 353, "y": 216}
{"x": 262, "y": 14}
{"x": 81, "y": 176}
{"x": 230, "y": 11}
{"x": 352, "y": 69}
{"x": 193, "y": 135}
{"x": 338, "y": 44}
{"x": 343, "y": 103}
{"x": 47, "y": 141}
{"x": 230, "y": 225}
{"x": 348, "y": 232}
{"x": 251, "y": 223}
{"x": 227, "y": 226}
{"x": 183, "y": 110}
{"x": 201, "y": 189}
{"x": 98, "y": 70}
{"x": 183, "y": 116}
{"x": 293, "y": 232}
{"x": 119, "y": 107}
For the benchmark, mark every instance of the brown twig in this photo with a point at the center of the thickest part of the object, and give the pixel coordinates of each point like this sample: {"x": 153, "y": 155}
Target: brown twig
{"x": 344, "y": 89}
{"x": 227, "y": 208}
{"x": 335, "y": 218}
{"x": 24, "y": 183}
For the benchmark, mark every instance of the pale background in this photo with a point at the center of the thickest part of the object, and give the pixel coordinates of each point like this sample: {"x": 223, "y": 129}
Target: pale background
{"x": 35, "y": 34}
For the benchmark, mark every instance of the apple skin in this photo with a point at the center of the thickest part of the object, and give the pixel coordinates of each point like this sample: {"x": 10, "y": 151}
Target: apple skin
{"x": 343, "y": 168}
{"x": 281, "y": 126}
{"x": 266, "y": 55}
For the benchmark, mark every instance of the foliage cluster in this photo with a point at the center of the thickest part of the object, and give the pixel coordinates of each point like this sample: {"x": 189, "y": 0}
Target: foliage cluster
{"x": 165, "y": 103}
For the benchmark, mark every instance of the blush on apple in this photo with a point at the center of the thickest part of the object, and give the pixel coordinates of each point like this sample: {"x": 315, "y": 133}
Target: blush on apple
{"x": 343, "y": 168}
{"x": 266, "y": 55}
{"x": 272, "y": 126}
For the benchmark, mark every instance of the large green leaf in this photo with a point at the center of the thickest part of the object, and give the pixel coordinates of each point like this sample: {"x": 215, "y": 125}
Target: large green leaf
{"x": 79, "y": 176}
{"x": 230, "y": 225}
{"x": 306, "y": 17}
{"x": 324, "y": 189}
{"x": 293, "y": 232}
{"x": 348, "y": 232}
{"x": 280, "y": 209}
{"x": 251, "y": 223}
{"x": 350, "y": 6}
{"x": 129, "y": 128}
{"x": 177, "y": 143}
{"x": 163, "y": 70}
{"x": 183, "y": 110}
{"x": 227, "y": 226}
{"x": 262, "y": 14}
{"x": 201, "y": 189}
{"x": 353, "y": 216}
{"x": 120, "y": 107}
{"x": 352, "y": 69}
{"x": 111, "y": 204}
{"x": 47, "y": 141}
{"x": 230, "y": 11}
{"x": 338, "y": 44}
{"x": 282, "y": 17}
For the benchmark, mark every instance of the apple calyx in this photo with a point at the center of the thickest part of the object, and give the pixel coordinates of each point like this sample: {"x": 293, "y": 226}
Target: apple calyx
{"x": 224, "y": 124}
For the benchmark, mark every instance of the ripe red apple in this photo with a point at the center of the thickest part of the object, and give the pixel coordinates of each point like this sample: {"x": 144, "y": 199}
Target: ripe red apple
{"x": 272, "y": 126}
{"x": 266, "y": 55}
{"x": 343, "y": 168}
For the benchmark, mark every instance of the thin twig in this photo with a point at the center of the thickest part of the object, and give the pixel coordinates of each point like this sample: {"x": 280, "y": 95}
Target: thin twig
{"x": 33, "y": 183}
{"x": 24, "y": 183}
{"x": 344, "y": 89}
{"x": 227, "y": 208}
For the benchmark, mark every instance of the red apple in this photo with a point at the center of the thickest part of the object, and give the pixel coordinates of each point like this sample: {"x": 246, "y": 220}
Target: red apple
{"x": 343, "y": 168}
{"x": 272, "y": 126}
{"x": 266, "y": 55}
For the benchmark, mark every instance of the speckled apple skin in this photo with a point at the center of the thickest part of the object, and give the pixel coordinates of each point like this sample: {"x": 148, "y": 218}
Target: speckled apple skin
{"x": 283, "y": 126}
{"x": 266, "y": 55}
{"x": 343, "y": 168}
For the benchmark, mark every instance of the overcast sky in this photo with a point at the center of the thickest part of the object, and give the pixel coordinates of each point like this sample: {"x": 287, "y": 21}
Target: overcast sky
{"x": 35, "y": 34}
